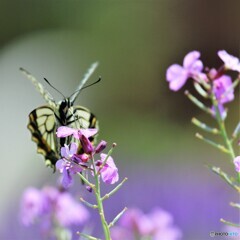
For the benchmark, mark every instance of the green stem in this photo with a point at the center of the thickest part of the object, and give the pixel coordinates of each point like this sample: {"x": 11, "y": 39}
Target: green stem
{"x": 223, "y": 131}
{"x": 97, "y": 192}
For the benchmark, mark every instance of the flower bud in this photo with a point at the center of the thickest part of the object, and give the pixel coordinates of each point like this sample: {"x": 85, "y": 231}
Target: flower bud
{"x": 101, "y": 146}
{"x": 86, "y": 144}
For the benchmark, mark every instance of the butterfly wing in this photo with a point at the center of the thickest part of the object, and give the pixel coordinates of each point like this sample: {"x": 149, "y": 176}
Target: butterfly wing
{"x": 46, "y": 95}
{"x": 83, "y": 81}
{"x": 81, "y": 117}
{"x": 42, "y": 125}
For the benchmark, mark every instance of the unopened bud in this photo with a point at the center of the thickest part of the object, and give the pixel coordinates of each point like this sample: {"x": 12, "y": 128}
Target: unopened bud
{"x": 101, "y": 146}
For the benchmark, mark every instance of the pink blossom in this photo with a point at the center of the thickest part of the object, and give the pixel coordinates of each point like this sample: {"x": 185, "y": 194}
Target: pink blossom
{"x": 64, "y": 131}
{"x": 230, "y": 62}
{"x": 236, "y": 162}
{"x": 109, "y": 172}
{"x": 192, "y": 67}
{"x": 224, "y": 93}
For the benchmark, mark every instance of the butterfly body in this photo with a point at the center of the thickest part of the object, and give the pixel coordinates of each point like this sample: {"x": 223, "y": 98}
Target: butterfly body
{"x": 44, "y": 120}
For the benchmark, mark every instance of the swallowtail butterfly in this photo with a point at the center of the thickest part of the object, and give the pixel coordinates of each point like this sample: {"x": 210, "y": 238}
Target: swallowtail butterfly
{"x": 44, "y": 120}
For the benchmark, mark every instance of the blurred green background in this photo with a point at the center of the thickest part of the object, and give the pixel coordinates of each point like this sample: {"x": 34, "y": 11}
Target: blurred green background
{"x": 134, "y": 42}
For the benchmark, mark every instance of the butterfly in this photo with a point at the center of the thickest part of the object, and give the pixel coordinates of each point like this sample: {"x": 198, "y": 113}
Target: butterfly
{"x": 44, "y": 120}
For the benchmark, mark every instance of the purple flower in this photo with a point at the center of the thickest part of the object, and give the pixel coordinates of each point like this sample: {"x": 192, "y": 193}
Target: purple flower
{"x": 236, "y": 162}
{"x": 192, "y": 67}
{"x": 50, "y": 206}
{"x": 33, "y": 206}
{"x": 66, "y": 165}
{"x": 109, "y": 172}
{"x": 230, "y": 62}
{"x": 69, "y": 212}
{"x": 222, "y": 89}
{"x": 157, "y": 225}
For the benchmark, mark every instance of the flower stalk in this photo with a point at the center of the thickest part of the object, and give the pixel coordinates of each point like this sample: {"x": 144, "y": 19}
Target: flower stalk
{"x": 97, "y": 192}
{"x": 223, "y": 131}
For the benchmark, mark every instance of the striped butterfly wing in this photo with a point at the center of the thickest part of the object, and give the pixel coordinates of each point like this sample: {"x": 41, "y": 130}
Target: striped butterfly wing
{"x": 42, "y": 124}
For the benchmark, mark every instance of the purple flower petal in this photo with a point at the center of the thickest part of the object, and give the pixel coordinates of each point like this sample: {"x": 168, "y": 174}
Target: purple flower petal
{"x": 196, "y": 67}
{"x": 65, "y": 151}
{"x": 236, "y": 162}
{"x": 73, "y": 148}
{"x": 60, "y": 164}
{"x": 65, "y": 131}
{"x": 222, "y": 88}
{"x": 192, "y": 67}
{"x": 230, "y": 61}
{"x": 89, "y": 132}
{"x": 176, "y": 76}
{"x": 68, "y": 153}
{"x": 190, "y": 59}
{"x": 109, "y": 172}
{"x": 66, "y": 178}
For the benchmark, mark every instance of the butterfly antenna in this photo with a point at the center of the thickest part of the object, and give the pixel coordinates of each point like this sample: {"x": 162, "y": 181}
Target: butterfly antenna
{"x": 53, "y": 87}
{"x": 91, "y": 84}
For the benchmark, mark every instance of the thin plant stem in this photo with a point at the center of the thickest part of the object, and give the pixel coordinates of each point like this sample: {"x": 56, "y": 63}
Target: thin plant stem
{"x": 97, "y": 192}
{"x": 223, "y": 130}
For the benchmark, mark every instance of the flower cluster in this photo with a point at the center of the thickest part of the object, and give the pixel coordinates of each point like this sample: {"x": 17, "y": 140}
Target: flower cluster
{"x": 218, "y": 87}
{"x": 50, "y": 205}
{"x": 157, "y": 225}
{"x": 72, "y": 162}
{"x": 210, "y": 82}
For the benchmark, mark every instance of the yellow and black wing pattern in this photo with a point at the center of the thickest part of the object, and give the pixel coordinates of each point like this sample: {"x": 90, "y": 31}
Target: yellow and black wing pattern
{"x": 42, "y": 124}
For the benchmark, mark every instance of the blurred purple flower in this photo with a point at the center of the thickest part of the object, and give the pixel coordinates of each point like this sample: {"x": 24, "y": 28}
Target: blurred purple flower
{"x": 192, "y": 67}
{"x": 50, "y": 206}
{"x": 222, "y": 89}
{"x": 109, "y": 172}
{"x": 230, "y": 62}
{"x": 236, "y": 162}
{"x": 158, "y": 225}
{"x": 33, "y": 206}
{"x": 66, "y": 165}
{"x": 69, "y": 212}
